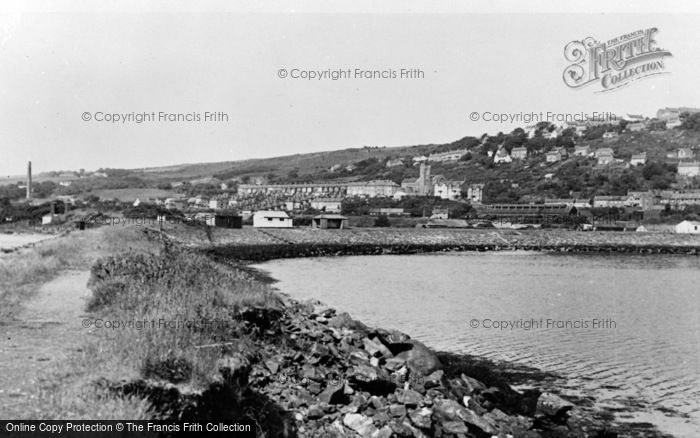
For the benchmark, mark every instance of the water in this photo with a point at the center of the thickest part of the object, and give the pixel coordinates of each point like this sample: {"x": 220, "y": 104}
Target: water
{"x": 640, "y": 353}
{"x": 9, "y": 241}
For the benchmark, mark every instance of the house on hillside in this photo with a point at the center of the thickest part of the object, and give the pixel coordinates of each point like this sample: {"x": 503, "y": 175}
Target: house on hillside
{"x": 639, "y": 159}
{"x": 605, "y": 156}
{"x": 440, "y": 213}
{"x": 448, "y": 156}
{"x": 518, "y": 153}
{"x": 685, "y": 154}
{"x": 218, "y": 203}
{"x": 550, "y": 134}
{"x": 372, "y": 189}
{"x": 582, "y": 151}
{"x": 502, "y": 156}
{"x": 610, "y": 135}
{"x": 475, "y": 193}
{"x": 396, "y": 162}
{"x": 271, "y": 219}
{"x": 446, "y": 189}
{"x": 175, "y": 203}
{"x": 553, "y": 156}
{"x": 689, "y": 169}
{"x": 688, "y": 227}
{"x": 635, "y": 127}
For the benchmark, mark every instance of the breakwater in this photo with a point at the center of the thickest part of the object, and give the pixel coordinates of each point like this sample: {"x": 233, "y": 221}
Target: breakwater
{"x": 262, "y": 245}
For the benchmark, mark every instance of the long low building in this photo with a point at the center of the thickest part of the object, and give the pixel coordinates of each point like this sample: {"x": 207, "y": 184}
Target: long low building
{"x": 372, "y": 189}
{"x": 294, "y": 189}
{"x": 524, "y": 210}
{"x": 361, "y": 188}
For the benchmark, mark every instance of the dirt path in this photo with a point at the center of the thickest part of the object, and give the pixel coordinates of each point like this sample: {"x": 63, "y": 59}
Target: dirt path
{"x": 47, "y": 330}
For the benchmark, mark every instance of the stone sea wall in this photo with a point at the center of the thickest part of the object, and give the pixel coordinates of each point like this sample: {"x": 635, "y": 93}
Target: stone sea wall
{"x": 261, "y": 245}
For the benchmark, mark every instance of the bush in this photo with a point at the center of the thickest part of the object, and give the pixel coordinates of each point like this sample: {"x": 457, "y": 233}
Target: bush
{"x": 382, "y": 221}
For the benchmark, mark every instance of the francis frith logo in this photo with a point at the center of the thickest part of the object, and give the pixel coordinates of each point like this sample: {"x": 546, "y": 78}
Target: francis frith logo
{"x": 614, "y": 63}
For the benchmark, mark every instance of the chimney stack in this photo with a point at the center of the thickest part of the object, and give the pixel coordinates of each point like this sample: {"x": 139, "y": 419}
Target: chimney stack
{"x": 29, "y": 180}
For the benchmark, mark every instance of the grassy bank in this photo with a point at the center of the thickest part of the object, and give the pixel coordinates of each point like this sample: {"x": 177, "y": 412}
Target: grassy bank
{"x": 24, "y": 270}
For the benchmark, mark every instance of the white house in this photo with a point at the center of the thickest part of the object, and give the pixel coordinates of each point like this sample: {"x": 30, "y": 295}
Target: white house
{"x": 688, "y": 227}
{"x": 689, "y": 169}
{"x": 329, "y": 205}
{"x": 502, "y": 156}
{"x": 638, "y": 159}
{"x": 446, "y": 189}
{"x": 518, "y": 153}
{"x": 52, "y": 219}
{"x": 447, "y": 156}
{"x": 582, "y": 151}
{"x": 553, "y": 156}
{"x": 271, "y": 219}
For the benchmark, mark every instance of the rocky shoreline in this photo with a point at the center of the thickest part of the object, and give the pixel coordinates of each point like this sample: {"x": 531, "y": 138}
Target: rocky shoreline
{"x": 318, "y": 373}
{"x": 303, "y": 369}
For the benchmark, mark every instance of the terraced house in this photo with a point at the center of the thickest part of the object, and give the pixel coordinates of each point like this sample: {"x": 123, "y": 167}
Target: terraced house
{"x": 372, "y": 189}
{"x": 448, "y": 156}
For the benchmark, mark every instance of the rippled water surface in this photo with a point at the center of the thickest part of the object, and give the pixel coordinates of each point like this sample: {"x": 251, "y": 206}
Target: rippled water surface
{"x": 631, "y": 324}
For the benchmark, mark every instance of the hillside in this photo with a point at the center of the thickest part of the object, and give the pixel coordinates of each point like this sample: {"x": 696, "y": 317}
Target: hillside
{"x": 519, "y": 180}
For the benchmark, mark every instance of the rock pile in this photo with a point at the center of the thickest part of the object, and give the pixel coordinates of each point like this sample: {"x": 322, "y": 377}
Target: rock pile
{"x": 338, "y": 378}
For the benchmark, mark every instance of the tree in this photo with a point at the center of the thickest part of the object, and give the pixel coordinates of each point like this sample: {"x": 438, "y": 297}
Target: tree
{"x": 382, "y": 221}
{"x": 690, "y": 121}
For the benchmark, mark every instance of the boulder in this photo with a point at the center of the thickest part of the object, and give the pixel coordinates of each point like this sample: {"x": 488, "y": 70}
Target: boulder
{"x": 343, "y": 320}
{"x": 420, "y": 359}
{"x": 384, "y": 432}
{"x": 421, "y": 417}
{"x": 450, "y": 410}
{"x": 359, "y": 423}
{"x": 401, "y": 429}
{"x": 552, "y": 405}
{"x": 371, "y": 379}
{"x": 273, "y": 364}
{"x": 394, "y": 363}
{"x": 455, "y": 427}
{"x": 397, "y": 410}
{"x": 321, "y": 351}
{"x": 433, "y": 379}
{"x": 409, "y": 397}
{"x": 376, "y": 348}
{"x": 333, "y": 394}
{"x": 315, "y": 412}
{"x": 471, "y": 384}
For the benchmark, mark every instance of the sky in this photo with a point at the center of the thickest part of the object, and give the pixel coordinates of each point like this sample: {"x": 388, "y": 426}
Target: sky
{"x": 62, "y": 60}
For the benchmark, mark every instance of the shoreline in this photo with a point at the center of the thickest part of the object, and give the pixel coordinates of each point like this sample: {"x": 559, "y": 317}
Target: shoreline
{"x": 303, "y": 368}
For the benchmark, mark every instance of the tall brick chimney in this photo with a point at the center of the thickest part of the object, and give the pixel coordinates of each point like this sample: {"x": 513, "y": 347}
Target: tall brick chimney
{"x": 29, "y": 180}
